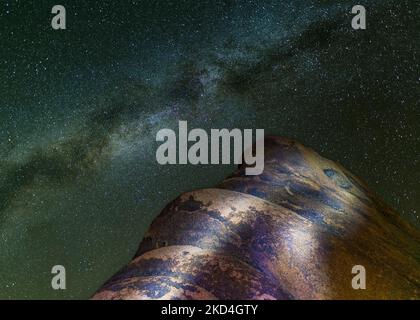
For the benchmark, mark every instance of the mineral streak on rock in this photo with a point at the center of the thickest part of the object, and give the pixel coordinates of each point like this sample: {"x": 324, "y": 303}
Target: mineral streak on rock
{"x": 293, "y": 232}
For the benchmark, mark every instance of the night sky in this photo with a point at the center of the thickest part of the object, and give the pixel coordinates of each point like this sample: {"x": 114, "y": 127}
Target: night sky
{"x": 80, "y": 108}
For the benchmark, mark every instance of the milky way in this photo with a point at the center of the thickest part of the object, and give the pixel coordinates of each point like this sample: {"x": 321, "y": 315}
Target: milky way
{"x": 79, "y": 110}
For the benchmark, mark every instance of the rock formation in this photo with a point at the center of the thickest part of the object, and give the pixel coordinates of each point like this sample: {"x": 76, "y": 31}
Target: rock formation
{"x": 294, "y": 232}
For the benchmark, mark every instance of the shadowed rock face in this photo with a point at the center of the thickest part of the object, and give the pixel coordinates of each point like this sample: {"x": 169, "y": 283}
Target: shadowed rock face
{"x": 293, "y": 232}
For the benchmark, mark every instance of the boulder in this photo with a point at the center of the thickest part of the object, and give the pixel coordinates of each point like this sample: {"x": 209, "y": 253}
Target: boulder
{"x": 294, "y": 232}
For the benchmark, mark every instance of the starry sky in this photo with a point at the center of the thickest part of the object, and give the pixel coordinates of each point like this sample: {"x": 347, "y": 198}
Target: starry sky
{"x": 80, "y": 108}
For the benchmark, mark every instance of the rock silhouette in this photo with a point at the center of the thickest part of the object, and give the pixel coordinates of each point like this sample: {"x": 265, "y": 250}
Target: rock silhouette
{"x": 293, "y": 232}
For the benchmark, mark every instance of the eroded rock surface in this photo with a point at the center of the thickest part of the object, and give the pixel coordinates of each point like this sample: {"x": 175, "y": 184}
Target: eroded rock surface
{"x": 294, "y": 232}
